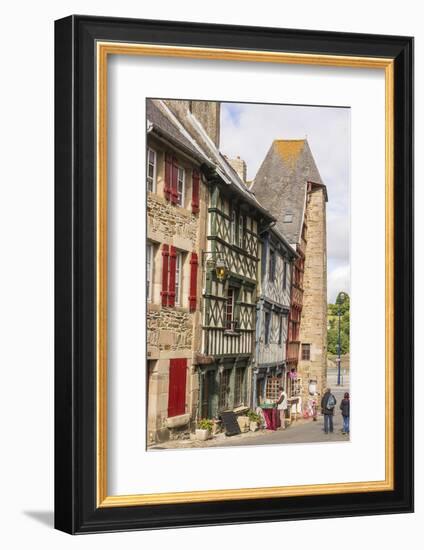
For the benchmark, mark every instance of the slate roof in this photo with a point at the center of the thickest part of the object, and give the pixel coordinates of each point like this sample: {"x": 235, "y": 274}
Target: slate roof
{"x": 281, "y": 184}
{"x": 185, "y": 130}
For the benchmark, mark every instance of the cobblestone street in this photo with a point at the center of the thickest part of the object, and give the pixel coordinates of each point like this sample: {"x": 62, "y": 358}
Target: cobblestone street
{"x": 301, "y": 431}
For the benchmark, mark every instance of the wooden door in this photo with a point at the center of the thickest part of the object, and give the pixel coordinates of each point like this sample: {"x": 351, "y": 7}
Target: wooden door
{"x": 177, "y": 387}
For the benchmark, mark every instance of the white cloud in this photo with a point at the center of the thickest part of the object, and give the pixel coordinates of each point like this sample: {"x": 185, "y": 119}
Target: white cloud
{"x": 248, "y": 130}
{"x": 338, "y": 280}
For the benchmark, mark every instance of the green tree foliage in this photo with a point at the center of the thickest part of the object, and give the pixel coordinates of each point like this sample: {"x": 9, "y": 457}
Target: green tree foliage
{"x": 342, "y": 304}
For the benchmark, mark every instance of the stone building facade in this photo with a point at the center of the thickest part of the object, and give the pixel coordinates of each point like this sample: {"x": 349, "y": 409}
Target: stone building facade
{"x": 289, "y": 172}
{"x": 176, "y": 222}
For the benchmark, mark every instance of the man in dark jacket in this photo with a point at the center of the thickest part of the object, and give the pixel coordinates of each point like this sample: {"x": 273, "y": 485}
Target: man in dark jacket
{"x": 345, "y": 408}
{"x": 328, "y": 402}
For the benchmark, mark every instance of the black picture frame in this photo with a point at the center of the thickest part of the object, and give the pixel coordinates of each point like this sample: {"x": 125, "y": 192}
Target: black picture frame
{"x": 76, "y": 510}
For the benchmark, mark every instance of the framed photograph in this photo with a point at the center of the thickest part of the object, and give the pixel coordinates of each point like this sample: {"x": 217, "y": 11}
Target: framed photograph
{"x": 234, "y": 274}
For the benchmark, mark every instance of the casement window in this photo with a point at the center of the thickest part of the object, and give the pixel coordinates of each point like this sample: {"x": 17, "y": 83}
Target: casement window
{"x": 174, "y": 187}
{"x": 267, "y": 327}
{"x": 306, "y": 352}
{"x": 280, "y": 330}
{"x": 151, "y": 170}
{"x": 178, "y": 277}
{"x": 180, "y": 186}
{"x": 224, "y": 389}
{"x": 233, "y": 227}
{"x": 241, "y": 231}
{"x": 172, "y": 265}
{"x": 272, "y": 390}
{"x": 229, "y": 309}
{"x": 149, "y": 271}
{"x": 239, "y": 387}
{"x": 284, "y": 274}
{"x": 271, "y": 267}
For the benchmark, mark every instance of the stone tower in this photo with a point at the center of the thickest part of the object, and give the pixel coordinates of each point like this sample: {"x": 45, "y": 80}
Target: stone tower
{"x": 313, "y": 324}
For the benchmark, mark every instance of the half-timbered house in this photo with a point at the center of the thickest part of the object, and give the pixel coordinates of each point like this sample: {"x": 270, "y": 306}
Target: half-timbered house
{"x": 273, "y": 309}
{"x": 289, "y": 173}
{"x": 229, "y": 318}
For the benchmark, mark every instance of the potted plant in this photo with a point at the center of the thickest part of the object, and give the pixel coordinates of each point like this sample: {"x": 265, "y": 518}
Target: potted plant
{"x": 204, "y": 429}
{"x": 254, "y": 421}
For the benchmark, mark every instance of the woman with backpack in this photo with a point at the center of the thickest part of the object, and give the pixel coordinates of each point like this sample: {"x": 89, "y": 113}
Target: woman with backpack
{"x": 345, "y": 408}
{"x": 328, "y": 402}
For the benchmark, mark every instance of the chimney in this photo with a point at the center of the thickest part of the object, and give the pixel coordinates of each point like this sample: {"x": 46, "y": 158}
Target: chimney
{"x": 208, "y": 113}
{"x": 239, "y": 166}
{"x": 178, "y": 106}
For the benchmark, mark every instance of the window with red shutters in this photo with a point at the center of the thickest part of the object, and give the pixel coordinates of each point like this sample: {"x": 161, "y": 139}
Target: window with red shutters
{"x": 174, "y": 181}
{"x": 195, "y": 192}
{"x": 193, "y": 282}
{"x": 168, "y": 176}
{"x": 172, "y": 264}
{"x": 165, "y": 274}
{"x": 177, "y": 387}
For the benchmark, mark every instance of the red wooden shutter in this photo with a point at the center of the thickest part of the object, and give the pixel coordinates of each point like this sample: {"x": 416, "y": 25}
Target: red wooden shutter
{"x": 172, "y": 265}
{"x": 168, "y": 176}
{"x": 193, "y": 282}
{"x": 174, "y": 181}
{"x": 165, "y": 274}
{"x": 195, "y": 193}
{"x": 177, "y": 387}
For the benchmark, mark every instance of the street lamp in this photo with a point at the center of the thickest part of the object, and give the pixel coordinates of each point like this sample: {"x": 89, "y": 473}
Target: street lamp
{"x": 340, "y": 299}
{"x": 218, "y": 264}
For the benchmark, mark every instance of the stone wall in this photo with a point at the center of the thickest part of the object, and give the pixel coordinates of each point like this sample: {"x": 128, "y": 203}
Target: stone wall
{"x": 169, "y": 329}
{"x": 313, "y": 326}
{"x": 173, "y": 332}
{"x": 168, "y": 221}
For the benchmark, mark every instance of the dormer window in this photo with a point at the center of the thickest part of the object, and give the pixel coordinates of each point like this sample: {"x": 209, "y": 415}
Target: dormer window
{"x": 288, "y": 217}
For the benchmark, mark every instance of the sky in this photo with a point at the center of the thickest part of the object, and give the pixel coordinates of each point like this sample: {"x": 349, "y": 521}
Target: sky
{"x": 248, "y": 130}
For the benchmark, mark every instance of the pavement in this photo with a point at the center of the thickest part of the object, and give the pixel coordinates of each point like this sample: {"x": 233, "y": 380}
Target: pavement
{"x": 300, "y": 431}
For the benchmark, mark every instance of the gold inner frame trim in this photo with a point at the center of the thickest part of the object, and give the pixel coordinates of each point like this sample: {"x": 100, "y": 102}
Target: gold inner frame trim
{"x": 104, "y": 49}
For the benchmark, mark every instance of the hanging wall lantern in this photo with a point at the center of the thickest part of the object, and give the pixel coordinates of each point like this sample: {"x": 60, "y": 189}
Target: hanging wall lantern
{"x": 221, "y": 269}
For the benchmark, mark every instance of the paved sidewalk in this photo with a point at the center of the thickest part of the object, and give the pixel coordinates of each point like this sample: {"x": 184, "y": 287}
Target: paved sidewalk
{"x": 302, "y": 431}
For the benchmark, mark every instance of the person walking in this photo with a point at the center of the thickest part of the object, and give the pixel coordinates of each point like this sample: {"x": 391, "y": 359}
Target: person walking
{"x": 282, "y": 406}
{"x": 345, "y": 408}
{"x": 328, "y": 402}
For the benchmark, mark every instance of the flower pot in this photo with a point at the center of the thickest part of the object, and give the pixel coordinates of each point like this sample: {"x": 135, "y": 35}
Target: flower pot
{"x": 202, "y": 435}
{"x": 254, "y": 426}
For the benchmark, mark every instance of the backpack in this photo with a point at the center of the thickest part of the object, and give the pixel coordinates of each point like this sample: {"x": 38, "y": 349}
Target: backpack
{"x": 331, "y": 402}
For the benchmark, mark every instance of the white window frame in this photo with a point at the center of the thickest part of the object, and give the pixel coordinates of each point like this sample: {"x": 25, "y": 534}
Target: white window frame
{"x": 180, "y": 197}
{"x": 150, "y": 254}
{"x": 178, "y": 277}
{"x": 155, "y": 166}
